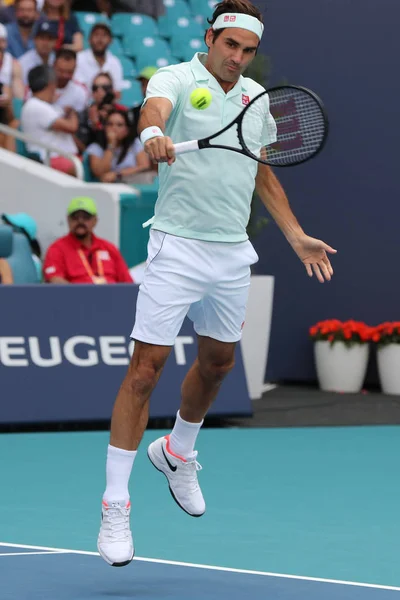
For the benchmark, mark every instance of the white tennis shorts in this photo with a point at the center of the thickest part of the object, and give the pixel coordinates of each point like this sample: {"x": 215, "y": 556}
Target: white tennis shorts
{"x": 207, "y": 281}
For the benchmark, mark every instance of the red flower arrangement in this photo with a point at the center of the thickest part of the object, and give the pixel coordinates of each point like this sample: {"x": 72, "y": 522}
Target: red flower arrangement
{"x": 349, "y": 332}
{"x": 386, "y": 333}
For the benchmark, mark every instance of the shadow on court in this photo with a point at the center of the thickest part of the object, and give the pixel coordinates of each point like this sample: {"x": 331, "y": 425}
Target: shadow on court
{"x": 28, "y": 574}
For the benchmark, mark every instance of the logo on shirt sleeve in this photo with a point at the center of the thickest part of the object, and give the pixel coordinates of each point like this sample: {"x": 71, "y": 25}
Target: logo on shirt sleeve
{"x": 50, "y": 270}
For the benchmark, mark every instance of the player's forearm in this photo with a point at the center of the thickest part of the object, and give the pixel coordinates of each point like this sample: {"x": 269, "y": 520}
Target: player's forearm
{"x": 150, "y": 116}
{"x": 276, "y": 202}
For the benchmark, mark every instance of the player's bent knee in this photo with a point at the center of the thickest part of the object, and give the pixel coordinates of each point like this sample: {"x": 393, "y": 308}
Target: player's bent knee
{"x": 215, "y": 373}
{"x": 142, "y": 380}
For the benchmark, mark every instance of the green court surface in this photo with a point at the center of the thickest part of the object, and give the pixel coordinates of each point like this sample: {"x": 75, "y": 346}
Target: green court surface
{"x": 318, "y": 503}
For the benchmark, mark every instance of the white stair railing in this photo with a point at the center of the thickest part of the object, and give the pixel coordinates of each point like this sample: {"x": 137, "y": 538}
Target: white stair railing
{"x": 79, "y": 172}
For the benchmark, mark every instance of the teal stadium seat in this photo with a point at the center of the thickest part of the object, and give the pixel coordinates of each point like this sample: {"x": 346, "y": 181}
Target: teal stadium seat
{"x": 131, "y": 94}
{"x": 138, "y": 46}
{"x": 128, "y": 67}
{"x": 176, "y": 8}
{"x": 86, "y": 21}
{"x": 116, "y": 48}
{"x": 183, "y": 27}
{"x": 185, "y": 49}
{"x": 17, "y": 105}
{"x": 21, "y": 262}
{"x": 202, "y": 10}
{"x": 6, "y": 241}
{"x": 128, "y": 24}
{"x": 158, "y": 59}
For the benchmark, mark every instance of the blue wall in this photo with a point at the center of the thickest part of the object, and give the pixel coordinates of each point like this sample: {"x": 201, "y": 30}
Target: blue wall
{"x": 349, "y": 196}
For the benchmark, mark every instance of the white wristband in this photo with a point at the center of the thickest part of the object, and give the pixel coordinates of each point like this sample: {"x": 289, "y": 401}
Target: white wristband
{"x": 149, "y": 133}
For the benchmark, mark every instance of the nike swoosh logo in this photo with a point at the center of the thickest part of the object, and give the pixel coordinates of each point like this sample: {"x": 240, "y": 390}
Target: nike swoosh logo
{"x": 169, "y": 464}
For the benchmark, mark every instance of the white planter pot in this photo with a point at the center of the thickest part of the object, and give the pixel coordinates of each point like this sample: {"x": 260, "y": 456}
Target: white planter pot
{"x": 388, "y": 358}
{"x": 341, "y": 368}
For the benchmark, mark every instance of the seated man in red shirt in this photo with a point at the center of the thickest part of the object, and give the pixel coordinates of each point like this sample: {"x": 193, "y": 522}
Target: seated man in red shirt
{"x": 80, "y": 256}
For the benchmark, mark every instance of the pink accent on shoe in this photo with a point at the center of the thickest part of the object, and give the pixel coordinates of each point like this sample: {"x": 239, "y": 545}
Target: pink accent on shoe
{"x": 168, "y": 446}
{"x": 104, "y": 503}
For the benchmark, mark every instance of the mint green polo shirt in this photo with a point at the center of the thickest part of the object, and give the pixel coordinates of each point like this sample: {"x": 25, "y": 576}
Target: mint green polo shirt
{"x": 206, "y": 195}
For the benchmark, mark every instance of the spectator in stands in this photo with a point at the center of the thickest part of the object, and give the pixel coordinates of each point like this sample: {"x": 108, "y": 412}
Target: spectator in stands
{"x": 48, "y": 123}
{"x": 93, "y": 118}
{"x": 6, "y": 276}
{"x": 24, "y": 223}
{"x": 64, "y": 24}
{"x": 20, "y": 31}
{"x": 82, "y": 257}
{"x": 153, "y": 8}
{"x": 98, "y": 59}
{"x": 119, "y": 157}
{"x": 10, "y": 69}
{"x": 7, "y": 12}
{"x": 69, "y": 93}
{"x": 43, "y": 52}
{"x": 10, "y": 86}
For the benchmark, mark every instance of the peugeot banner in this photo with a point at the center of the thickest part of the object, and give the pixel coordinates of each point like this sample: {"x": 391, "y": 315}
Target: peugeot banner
{"x": 64, "y": 351}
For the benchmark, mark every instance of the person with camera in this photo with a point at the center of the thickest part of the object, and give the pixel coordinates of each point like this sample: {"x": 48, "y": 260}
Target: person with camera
{"x": 93, "y": 118}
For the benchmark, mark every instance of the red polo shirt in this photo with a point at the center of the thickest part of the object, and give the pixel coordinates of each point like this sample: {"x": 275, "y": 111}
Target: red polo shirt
{"x": 64, "y": 259}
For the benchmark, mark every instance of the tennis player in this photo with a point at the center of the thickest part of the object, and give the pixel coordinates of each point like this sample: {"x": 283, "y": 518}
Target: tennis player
{"x": 198, "y": 264}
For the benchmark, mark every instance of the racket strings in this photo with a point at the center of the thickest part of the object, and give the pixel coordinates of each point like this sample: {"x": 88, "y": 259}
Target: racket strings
{"x": 295, "y": 132}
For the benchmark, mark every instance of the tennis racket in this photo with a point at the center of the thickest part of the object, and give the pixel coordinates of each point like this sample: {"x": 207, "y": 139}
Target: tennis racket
{"x": 296, "y": 132}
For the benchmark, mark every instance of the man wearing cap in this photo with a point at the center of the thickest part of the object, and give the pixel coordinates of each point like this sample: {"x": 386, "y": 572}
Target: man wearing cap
{"x": 20, "y": 30}
{"x": 82, "y": 257}
{"x": 98, "y": 59}
{"x": 45, "y": 38}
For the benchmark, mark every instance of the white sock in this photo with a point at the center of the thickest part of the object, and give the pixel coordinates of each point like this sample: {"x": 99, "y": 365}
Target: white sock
{"x": 183, "y": 436}
{"x": 118, "y": 471}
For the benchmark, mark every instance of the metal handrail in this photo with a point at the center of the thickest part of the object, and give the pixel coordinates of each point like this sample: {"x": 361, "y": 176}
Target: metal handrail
{"x": 27, "y": 138}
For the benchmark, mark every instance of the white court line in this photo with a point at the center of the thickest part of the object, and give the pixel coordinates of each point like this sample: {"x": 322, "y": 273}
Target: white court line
{"x": 31, "y": 553}
{"x": 214, "y": 568}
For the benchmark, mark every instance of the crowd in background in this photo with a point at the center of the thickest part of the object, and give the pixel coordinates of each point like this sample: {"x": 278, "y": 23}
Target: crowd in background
{"x": 71, "y": 96}
{"x": 70, "y": 99}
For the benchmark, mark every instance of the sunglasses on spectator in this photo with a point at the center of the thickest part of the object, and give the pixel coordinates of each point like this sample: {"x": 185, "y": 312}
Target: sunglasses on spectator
{"x": 84, "y": 216}
{"x": 106, "y": 88}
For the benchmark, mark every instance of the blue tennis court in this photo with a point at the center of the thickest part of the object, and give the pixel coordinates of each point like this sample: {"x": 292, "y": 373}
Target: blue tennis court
{"x": 291, "y": 514}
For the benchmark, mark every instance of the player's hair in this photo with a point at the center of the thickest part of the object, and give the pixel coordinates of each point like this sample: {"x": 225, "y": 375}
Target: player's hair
{"x": 66, "y": 54}
{"x": 244, "y": 7}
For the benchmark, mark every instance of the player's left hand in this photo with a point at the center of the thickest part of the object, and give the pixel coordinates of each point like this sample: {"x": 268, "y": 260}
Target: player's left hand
{"x": 313, "y": 254}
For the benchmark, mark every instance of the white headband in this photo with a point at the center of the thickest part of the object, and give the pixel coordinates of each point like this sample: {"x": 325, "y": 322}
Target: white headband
{"x": 239, "y": 20}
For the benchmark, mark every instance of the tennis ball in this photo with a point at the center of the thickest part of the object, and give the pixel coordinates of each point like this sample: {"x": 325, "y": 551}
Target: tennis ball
{"x": 201, "y": 98}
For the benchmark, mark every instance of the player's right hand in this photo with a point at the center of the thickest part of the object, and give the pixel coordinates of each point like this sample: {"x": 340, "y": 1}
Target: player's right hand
{"x": 160, "y": 149}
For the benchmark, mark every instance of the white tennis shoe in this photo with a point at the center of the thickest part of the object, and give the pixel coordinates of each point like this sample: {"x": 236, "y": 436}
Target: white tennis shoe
{"x": 115, "y": 542}
{"x": 181, "y": 474}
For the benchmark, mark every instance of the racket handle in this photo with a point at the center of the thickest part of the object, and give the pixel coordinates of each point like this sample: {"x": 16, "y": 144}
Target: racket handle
{"x": 183, "y": 147}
